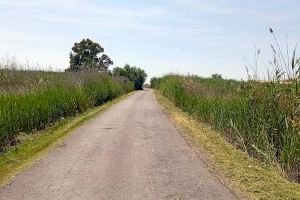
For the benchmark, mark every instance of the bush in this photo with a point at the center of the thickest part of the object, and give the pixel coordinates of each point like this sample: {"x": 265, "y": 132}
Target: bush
{"x": 135, "y": 74}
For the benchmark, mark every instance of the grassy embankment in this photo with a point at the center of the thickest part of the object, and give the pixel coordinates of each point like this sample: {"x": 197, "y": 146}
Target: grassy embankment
{"x": 38, "y": 108}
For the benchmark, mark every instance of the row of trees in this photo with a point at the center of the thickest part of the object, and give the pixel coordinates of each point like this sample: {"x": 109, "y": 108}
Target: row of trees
{"x": 134, "y": 74}
{"x": 87, "y": 55}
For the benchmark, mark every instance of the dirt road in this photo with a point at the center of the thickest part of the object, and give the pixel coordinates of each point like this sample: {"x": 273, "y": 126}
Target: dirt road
{"x": 130, "y": 151}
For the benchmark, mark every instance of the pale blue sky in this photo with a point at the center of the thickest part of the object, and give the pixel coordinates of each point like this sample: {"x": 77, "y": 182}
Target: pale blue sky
{"x": 185, "y": 36}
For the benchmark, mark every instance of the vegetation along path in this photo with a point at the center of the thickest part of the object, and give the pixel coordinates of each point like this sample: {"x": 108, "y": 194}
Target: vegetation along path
{"x": 130, "y": 151}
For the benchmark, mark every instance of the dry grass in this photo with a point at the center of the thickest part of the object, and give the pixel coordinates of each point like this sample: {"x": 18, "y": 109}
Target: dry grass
{"x": 248, "y": 176}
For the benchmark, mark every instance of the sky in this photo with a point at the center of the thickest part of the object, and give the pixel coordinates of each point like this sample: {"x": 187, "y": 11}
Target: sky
{"x": 161, "y": 36}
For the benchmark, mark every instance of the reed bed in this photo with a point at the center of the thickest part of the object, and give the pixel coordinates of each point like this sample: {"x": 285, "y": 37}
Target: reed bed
{"x": 33, "y": 100}
{"x": 262, "y": 119}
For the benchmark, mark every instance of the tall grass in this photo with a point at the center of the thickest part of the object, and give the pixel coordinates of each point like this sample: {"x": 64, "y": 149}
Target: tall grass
{"x": 30, "y": 101}
{"x": 260, "y": 117}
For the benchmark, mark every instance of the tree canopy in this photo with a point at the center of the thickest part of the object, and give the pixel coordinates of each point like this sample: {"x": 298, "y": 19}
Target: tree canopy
{"x": 216, "y": 76}
{"x": 135, "y": 74}
{"x": 85, "y": 56}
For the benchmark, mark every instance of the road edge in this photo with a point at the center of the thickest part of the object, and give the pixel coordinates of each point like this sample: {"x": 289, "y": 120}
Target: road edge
{"x": 247, "y": 177}
{"x": 34, "y": 147}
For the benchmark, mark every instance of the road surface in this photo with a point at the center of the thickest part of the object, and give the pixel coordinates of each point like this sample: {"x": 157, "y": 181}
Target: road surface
{"x": 130, "y": 151}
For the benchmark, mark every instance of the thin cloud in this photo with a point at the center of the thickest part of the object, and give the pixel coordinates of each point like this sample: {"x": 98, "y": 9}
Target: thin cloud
{"x": 146, "y": 31}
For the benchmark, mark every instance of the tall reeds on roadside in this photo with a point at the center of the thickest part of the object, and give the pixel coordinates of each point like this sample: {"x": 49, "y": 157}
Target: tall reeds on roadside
{"x": 261, "y": 118}
{"x": 33, "y": 100}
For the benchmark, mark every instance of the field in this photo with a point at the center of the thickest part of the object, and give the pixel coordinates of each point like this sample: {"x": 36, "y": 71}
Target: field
{"x": 33, "y": 100}
{"x": 261, "y": 119}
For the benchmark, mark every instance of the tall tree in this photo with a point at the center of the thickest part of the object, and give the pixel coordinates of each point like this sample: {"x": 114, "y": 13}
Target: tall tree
{"x": 85, "y": 56}
{"x": 134, "y": 74}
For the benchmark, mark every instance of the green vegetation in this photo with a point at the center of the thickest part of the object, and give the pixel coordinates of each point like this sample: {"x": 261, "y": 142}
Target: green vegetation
{"x": 248, "y": 177}
{"x": 134, "y": 74}
{"x": 262, "y": 119}
{"x": 84, "y": 56}
{"x": 31, "y": 101}
{"x": 33, "y": 146}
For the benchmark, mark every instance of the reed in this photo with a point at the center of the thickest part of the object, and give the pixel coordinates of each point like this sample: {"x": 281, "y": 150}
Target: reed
{"x": 262, "y": 119}
{"x": 33, "y": 100}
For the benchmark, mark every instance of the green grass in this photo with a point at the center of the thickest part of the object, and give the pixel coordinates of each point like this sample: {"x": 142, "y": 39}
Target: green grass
{"x": 249, "y": 177}
{"x": 261, "y": 119}
{"x": 34, "y": 146}
{"x": 50, "y": 97}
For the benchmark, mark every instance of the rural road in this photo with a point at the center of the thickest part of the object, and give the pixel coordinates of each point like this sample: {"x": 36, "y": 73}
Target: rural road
{"x": 130, "y": 151}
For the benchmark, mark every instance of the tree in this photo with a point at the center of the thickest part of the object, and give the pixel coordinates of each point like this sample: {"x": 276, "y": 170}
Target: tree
{"x": 216, "y": 76}
{"x": 84, "y": 56}
{"x": 134, "y": 74}
{"x": 152, "y": 82}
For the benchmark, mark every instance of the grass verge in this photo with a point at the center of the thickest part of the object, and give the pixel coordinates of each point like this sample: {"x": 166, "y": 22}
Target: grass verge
{"x": 33, "y": 147}
{"x": 247, "y": 176}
